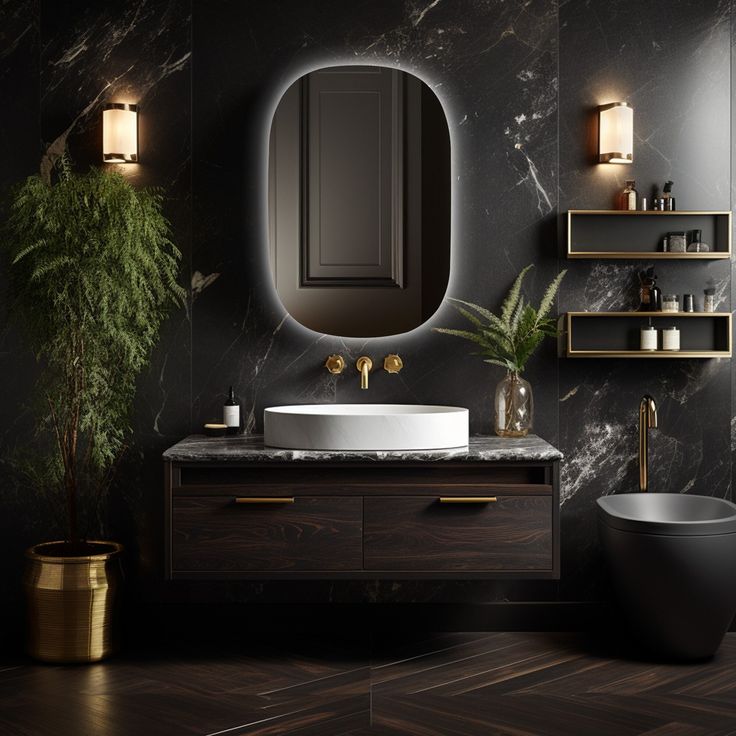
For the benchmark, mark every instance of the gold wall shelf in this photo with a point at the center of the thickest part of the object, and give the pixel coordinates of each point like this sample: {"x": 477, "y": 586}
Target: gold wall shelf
{"x": 642, "y": 226}
{"x": 585, "y": 343}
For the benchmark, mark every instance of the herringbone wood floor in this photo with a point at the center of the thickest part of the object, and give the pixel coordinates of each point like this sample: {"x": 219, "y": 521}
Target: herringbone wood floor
{"x": 516, "y": 684}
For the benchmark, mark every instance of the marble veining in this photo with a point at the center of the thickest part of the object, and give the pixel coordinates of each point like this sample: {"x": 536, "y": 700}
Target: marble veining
{"x": 519, "y": 80}
{"x": 247, "y": 449}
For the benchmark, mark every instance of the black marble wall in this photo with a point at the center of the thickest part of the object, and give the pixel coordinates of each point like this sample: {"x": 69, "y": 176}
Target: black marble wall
{"x": 518, "y": 80}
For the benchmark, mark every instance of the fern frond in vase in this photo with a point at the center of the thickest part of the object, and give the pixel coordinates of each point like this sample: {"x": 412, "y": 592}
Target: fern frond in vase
{"x": 509, "y": 340}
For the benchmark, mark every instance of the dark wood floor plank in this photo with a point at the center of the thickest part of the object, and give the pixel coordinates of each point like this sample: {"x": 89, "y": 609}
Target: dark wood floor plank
{"x": 681, "y": 729}
{"x": 511, "y": 684}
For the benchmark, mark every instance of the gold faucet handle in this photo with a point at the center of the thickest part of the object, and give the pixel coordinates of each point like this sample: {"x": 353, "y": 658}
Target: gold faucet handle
{"x": 392, "y": 363}
{"x": 335, "y": 364}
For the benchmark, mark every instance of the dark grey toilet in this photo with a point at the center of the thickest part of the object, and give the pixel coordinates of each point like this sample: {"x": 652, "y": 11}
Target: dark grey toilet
{"x": 672, "y": 559}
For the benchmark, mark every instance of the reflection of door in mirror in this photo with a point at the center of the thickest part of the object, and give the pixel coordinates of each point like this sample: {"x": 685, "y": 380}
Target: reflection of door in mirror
{"x": 359, "y": 201}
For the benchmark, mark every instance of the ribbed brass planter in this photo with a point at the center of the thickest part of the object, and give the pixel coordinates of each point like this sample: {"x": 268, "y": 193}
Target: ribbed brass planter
{"x": 71, "y": 600}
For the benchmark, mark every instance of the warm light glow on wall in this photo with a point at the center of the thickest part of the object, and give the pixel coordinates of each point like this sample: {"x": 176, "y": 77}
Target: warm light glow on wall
{"x": 616, "y": 133}
{"x": 119, "y": 133}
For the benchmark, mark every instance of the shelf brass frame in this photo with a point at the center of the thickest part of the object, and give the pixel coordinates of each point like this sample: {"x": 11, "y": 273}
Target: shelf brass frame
{"x": 646, "y": 255}
{"x": 571, "y": 353}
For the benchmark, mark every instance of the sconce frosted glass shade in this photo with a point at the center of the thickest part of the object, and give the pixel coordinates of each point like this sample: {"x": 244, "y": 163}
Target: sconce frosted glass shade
{"x": 616, "y": 133}
{"x": 119, "y": 133}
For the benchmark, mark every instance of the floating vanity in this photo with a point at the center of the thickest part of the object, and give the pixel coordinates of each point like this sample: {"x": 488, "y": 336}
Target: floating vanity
{"x": 236, "y": 509}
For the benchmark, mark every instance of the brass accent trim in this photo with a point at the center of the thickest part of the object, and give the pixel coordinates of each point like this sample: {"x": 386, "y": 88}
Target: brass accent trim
{"x": 120, "y": 106}
{"x": 335, "y": 364}
{"x": 647, "y": 421}
{"x": 654, "y": 255}
{"x": 610, "y": 105}
{"x": 649, "y": 353}
{"x": 656, "y": 213}
{"x": 364, "y": 365}
{"x": 264, "y": 499}
{"x": 468, "y": 499}
{"x": 646, "y": 315}
{"x": 392, "y": 363}
{"x": 120, "y": 158}
{"x": 607, "y": 158}
{"x": 643, "y": 255}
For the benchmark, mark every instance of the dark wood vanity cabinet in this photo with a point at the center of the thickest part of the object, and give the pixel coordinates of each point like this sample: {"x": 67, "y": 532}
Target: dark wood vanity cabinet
{"x": 307, "y": 519}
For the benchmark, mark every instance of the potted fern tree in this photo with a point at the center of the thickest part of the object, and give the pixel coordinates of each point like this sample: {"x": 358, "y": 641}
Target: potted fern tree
{"x": 508, "y": 340}
{"x": 92, "y": 272}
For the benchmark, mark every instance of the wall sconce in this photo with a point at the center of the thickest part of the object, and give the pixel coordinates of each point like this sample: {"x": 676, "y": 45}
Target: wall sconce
{"x": 119, "y": 133}
{"x": 616, "y": 133}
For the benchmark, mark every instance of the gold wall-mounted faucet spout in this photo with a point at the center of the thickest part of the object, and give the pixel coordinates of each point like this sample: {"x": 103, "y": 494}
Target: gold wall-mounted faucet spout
{"x": 647, "y": 421}
{"x": 365, "y": 365}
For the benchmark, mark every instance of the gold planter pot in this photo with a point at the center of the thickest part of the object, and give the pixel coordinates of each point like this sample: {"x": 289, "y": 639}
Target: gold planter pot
{"x": 71, "y": 600}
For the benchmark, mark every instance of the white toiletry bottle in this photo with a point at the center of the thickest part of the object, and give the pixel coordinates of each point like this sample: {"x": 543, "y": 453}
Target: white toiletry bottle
{"x": 231, "y": 414}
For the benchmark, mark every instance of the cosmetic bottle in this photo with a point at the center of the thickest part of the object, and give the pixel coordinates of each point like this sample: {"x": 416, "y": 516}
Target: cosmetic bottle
{"x": 628, "y": 196}
{"x": 643, "y": 204}
{"x": 657, "y": 200}
{"x": 709, "y": 300}
{"x": 677, "y": 242}
{"x": 669, "y": 200}
{"x": 650, "y": 296}
{"x": 231, "y": 414}
{"x": 696, "y": 244}
{"x": 670, "y": 303}
{"x": 688, "y": 303}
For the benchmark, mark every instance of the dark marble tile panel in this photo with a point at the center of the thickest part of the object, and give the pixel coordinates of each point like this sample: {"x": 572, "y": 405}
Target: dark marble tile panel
{"x": 672, "y": 63}
{"x": 494, "y": 67}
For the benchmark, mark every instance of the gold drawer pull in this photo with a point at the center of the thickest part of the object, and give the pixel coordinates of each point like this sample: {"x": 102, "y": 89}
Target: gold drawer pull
{"x": 468, "y": 499}
{"x": 265, "y": 499}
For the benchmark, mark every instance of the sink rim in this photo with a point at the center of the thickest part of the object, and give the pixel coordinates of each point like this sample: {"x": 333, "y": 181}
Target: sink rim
{"x": 611, "y": 513}
{"x": 366, "y": 427}
{"x": 365, "y": 410}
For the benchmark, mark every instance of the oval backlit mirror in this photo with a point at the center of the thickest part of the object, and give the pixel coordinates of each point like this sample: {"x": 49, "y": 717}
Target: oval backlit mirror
{"x": 359, "y": 201}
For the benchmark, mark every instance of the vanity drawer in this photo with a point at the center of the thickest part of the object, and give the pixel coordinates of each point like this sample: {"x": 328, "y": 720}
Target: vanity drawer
{"x": 423, "y": 533}
{"x": 229, "y": 534}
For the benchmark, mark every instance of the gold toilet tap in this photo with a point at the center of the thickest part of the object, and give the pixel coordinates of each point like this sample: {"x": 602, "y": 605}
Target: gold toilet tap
{"x": 647, "y": 421}
{"x": 365, "y": 365}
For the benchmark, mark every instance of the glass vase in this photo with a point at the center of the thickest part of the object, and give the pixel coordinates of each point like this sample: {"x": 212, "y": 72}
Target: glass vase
{"x": 514, "y": 406}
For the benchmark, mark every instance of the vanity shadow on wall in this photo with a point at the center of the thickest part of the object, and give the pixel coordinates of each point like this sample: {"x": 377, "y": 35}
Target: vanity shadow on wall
{"x": 359, "y": 201}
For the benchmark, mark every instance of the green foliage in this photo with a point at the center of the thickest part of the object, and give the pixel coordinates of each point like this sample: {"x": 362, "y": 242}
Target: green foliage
{"x": 92, "y": 275}
{"x": 511, "y": 339}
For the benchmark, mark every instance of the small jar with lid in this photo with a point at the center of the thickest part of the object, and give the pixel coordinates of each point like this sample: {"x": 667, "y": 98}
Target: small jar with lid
{"x": 670, "y": 338}
{"x": 648, "y": 338}
{"x": 670, "y": 303}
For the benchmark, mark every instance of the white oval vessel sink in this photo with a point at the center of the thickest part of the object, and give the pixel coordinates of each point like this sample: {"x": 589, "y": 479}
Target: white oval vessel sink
{"x": 365, "y": 427}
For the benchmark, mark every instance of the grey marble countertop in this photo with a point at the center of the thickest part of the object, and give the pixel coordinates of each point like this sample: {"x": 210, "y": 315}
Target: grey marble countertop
{"x": 198, "y": 448}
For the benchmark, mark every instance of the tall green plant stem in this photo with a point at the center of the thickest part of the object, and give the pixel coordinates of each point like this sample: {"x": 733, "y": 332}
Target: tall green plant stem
{"x": 93, "y": 273}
